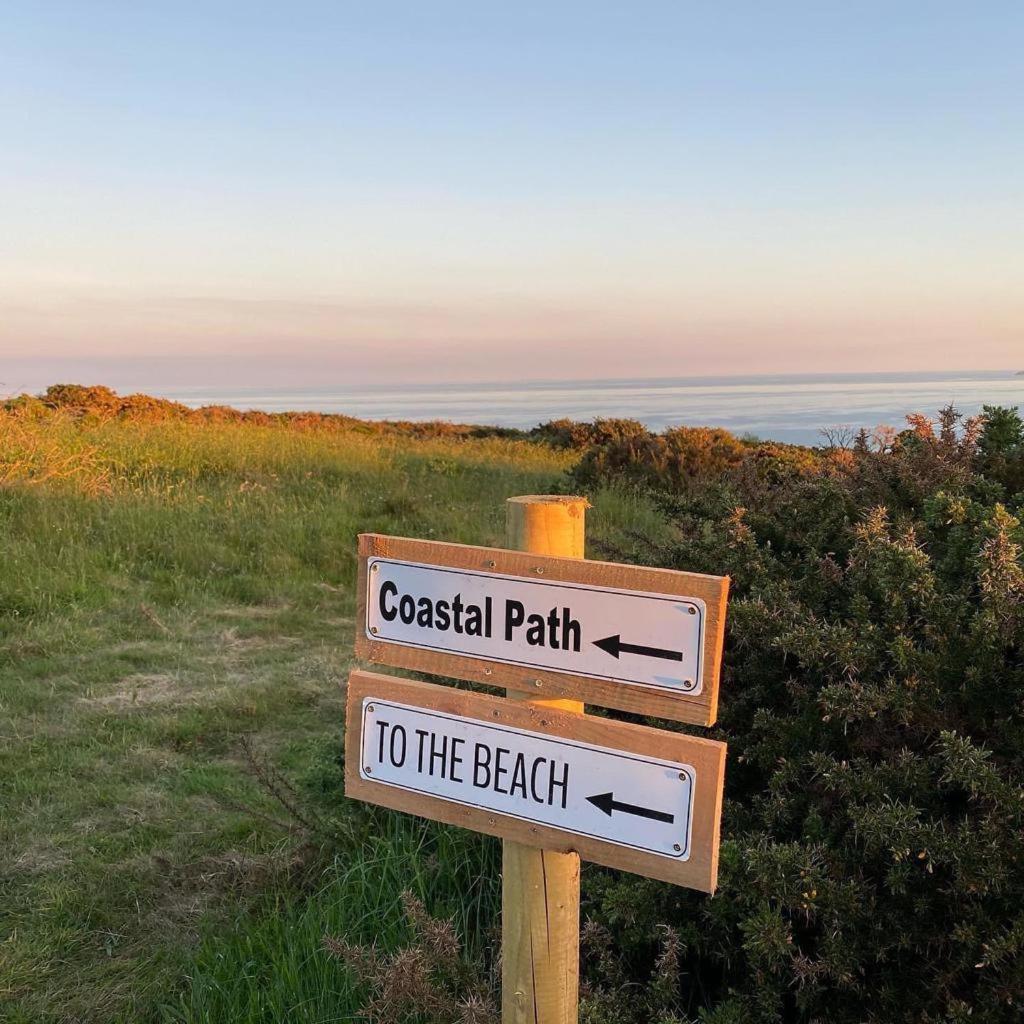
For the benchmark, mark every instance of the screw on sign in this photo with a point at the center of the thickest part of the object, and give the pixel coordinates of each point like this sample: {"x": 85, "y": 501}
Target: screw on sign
{"x": 555, "y": 630}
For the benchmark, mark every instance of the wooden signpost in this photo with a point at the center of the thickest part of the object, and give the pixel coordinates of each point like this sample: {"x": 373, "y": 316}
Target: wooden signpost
{"x": 556, "y": 631}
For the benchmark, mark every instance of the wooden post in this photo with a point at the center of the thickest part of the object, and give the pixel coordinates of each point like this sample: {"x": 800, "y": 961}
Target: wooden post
{"x": 540, "y": 889}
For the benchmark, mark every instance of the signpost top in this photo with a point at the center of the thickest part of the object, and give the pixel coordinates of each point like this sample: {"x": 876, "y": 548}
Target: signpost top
{"x": 639, "y": 639}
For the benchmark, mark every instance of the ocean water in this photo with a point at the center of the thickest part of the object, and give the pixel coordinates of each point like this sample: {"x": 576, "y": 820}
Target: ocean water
{"x": 783, "y": 408}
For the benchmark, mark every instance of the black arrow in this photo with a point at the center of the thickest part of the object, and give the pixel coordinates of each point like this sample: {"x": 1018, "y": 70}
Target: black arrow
{"x": 606, "y": 802}
{"x": 613, "y": 645}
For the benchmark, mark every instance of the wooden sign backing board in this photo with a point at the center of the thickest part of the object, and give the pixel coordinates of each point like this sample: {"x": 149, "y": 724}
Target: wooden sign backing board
{"x": 640, "y": 678}
{"x": 648, "y": 801}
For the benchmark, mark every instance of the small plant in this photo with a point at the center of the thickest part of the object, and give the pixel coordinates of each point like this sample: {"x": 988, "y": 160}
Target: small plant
{"x": 427, "y": 982}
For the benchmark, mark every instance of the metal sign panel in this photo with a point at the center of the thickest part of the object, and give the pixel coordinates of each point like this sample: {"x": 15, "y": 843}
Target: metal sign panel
{"x": 644, "y": 640}
{"x": 603, "y": 632}
{"x": 640, "y": 802}
{"x": 622, "y": 794}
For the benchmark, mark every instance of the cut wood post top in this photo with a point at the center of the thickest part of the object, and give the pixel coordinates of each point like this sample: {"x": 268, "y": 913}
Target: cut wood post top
{"x": 547, "y": 524}
{"x": 572, "y": 500}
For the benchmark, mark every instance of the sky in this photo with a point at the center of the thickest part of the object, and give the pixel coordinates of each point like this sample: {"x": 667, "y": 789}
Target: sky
{"x": 202, "y": 194}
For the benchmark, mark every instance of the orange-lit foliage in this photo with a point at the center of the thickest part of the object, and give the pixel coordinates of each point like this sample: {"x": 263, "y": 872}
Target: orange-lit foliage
{"x": 102, "y": 403}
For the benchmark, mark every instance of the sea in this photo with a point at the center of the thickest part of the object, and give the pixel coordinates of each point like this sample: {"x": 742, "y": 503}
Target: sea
{"x": 793, "y": 408}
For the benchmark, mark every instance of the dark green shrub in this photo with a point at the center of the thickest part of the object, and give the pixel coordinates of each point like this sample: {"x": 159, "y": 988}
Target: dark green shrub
{"x": 1001, "y": 447}
{"x": 1002, "y": 432}
{"x": 873, "y": 700}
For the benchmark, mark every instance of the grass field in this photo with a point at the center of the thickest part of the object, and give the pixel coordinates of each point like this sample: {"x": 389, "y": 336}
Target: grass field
{"x": 176, "y": 614}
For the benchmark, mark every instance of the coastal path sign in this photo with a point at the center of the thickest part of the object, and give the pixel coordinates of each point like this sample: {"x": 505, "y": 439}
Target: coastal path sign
{"x": 619, "y": 794}
{"x": 638, "y": 639}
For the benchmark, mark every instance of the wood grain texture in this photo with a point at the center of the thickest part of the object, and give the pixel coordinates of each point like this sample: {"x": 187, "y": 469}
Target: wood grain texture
{"x": 540, "y": 889}
{"x": 706, "y": 756}
{"x": 699, "y": 709}
{"x": 539, "y": 944}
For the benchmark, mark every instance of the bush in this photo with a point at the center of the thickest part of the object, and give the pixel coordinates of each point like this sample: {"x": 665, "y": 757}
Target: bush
{"x": 101, "y": 403}
{"x": 77, "y": 398}
{"x": 1001, "y": 446}
{"x": 873, "y": 701}
{"x": 681, "y": 458}
{"x": 581, "y": 435}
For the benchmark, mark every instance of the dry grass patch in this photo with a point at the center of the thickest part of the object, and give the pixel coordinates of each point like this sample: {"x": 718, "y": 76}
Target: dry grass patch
{"x": 139, "y": 690}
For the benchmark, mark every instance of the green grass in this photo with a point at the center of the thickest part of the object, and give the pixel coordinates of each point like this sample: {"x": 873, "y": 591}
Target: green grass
{"x": 171, "y": 589}
{"x": 272, "y": 967}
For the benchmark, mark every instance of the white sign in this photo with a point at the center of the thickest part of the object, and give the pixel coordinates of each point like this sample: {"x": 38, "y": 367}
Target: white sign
{"x": 656, "y": 640}
{"x": 630, "y": 800}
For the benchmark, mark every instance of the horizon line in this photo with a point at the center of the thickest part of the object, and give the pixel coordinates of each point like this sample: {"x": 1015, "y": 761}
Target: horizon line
{"x": 539, "y": 381}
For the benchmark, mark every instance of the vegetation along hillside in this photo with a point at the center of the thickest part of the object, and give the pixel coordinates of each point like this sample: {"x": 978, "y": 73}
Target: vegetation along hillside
{"x": 176, "y": 615}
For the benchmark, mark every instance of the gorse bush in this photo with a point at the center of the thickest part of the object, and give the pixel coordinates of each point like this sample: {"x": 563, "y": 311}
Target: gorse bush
{"x": 588, "y": 436}
{"x": 96, "y": 402}
{"x": 680, "y": 458}
{"x": 1001, "y": 447}
{"x": 873, "y": 701}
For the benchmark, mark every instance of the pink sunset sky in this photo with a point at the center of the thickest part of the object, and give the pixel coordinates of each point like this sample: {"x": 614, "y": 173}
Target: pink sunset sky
{"x": 249, "y": 195}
